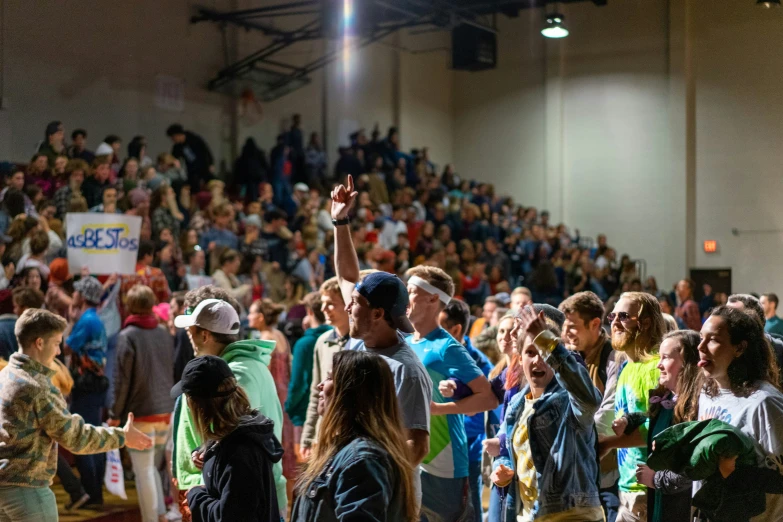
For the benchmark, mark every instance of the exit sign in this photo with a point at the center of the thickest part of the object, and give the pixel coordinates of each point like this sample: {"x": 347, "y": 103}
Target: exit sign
{"x": 710, "y": 246}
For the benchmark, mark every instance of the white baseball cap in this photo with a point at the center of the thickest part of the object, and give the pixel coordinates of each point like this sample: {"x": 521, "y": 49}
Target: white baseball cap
{"x": 212, "y": 315}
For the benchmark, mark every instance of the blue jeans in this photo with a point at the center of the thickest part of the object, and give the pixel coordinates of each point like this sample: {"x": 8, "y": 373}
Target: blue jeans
{"x": 92, "y": 468}
{"x": 445, "y": 499}
{"x": 495, "y": 512}
{"x": 610, "y": 501}
{"x": 476, "y": 488}
{"x": 27, "y": 505}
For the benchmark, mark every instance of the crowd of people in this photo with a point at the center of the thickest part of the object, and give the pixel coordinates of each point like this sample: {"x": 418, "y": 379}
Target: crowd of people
{"x": 386, "y": 350}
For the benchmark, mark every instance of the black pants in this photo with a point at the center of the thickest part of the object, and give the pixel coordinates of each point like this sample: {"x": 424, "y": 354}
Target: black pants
{"x": 92, "y": 468}
{"x": 70, "y": 482}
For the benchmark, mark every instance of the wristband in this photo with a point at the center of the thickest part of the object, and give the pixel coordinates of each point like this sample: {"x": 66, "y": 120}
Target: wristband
{"x": 340, "y": 222}
{"x": 546, "y": 341}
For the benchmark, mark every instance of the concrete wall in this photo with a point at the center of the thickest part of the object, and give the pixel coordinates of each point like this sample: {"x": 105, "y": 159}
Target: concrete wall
{"x": 739, "y": 129}
{"x": 93, "y": 64}
{"x": 580, "y": 126}
{"x": 656, "y": 122}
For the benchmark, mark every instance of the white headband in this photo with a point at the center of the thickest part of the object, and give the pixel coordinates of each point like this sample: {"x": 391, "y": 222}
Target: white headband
{"x": 424, "y": 285}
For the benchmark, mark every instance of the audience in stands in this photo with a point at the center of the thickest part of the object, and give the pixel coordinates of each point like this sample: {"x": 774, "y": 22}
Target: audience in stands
{"x": 255, "y": 242}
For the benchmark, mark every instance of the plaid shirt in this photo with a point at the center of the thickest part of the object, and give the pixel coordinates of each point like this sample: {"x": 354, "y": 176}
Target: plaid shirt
{"x": 34, "y": 418}
{"x": 162, "y": 218}
{"x": 62, "y": 200}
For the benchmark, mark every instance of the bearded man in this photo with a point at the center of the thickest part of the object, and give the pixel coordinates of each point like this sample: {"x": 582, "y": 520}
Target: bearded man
{"x": 637, "y": 330}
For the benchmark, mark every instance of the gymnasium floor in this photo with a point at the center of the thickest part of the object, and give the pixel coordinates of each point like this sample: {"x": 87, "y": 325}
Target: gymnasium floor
{"x": 114, "y": 509}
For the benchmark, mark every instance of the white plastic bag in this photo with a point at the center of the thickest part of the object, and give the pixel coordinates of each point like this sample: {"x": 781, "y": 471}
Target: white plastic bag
{"x": 114, "y": 479}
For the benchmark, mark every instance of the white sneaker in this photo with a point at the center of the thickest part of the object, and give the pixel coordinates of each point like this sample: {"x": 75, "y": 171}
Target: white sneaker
{"x": 173, "y": 514}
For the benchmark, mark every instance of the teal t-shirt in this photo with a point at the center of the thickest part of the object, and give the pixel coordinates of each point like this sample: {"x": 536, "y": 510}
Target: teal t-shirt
{"x": 633, "y": 396}
{"x": 774, "y": 326}
{"x": 444, "y": 358}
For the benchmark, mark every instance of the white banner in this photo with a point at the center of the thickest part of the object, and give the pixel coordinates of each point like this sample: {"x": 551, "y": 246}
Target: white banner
{"x": 104, "y": 243}
{"x": 169, "y": 93}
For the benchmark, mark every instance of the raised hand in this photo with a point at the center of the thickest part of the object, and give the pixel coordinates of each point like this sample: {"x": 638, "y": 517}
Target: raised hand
{"x": 343, "y": 198}
{"x": 528, "y": 321}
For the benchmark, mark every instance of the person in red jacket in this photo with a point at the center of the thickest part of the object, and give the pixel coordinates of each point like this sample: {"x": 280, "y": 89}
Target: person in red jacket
{"x": 688, "y": 310}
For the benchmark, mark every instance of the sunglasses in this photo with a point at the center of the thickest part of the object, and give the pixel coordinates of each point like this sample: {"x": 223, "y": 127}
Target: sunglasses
{"x": 624, "y": 317}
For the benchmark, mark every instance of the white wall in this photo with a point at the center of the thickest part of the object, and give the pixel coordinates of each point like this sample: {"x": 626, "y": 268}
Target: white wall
{"x": 499, "y": 115}
{"x": 656, "y": 122}
{"x": 427, "y": 96}
{"x": 92, "y": 64}
{"x": 739, "y": 125}
{"x": 580, "y": 126}
{"x": 617, "y": 174}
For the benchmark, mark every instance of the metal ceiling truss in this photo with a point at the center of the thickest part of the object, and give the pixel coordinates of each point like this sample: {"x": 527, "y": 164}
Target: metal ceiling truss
{"x": 275, "y": 78}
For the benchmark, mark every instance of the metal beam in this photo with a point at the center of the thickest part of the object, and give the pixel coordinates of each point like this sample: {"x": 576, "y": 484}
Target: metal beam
{"x": 448, "y": 9}
{"x": 334, "y": 55}
{"x": 232, "y": 71}
{"x": 218, "y": 16}
{"x": 290, "y": 13}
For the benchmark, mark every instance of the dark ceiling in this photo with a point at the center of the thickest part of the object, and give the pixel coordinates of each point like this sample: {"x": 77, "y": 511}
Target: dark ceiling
{"x": 287, "y": 23}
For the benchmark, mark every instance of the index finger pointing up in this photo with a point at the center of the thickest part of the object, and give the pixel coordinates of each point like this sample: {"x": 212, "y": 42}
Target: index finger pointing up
{"x": 349, "y": 184}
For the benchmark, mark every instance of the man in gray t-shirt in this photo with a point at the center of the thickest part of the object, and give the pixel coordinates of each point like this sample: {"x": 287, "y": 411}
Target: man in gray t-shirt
{"x": 377, "y": 307}
{"x": 413, "y": 384}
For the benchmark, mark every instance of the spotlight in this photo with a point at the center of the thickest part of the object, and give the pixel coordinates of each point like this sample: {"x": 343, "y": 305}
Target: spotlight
{"x": 554, "y": 26}
{"x": 768, "y": 3}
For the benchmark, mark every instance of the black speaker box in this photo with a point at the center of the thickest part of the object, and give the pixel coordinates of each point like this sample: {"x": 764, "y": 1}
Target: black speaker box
{"x": 473, "y": 48}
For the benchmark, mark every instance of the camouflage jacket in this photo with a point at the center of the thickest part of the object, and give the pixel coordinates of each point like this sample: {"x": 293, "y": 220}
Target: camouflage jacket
{"x": 33, "y": 419}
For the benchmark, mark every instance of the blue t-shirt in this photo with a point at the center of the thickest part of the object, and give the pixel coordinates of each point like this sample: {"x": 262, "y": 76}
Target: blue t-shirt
{"x": 444, "y": 358}
{"x": 88, "y": 337}
{"x": 475, "y": 427}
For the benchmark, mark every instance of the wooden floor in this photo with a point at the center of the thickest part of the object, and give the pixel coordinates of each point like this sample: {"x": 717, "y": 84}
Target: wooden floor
{"x": 114, "y": 509}
{"x": 117, "y": 510}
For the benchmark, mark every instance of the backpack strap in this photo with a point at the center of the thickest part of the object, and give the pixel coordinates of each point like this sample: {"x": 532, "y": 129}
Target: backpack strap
{"x": 606, "y": 352}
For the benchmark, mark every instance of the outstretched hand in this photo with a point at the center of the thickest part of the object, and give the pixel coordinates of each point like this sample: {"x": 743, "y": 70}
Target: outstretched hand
{"x": 134, "y": 439}
{"x": 343, "y": 198}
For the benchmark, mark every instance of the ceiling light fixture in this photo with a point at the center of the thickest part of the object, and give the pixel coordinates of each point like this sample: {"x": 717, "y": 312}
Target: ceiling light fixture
{"x": 554, "y": 26}
{"x": 768, "y": 3}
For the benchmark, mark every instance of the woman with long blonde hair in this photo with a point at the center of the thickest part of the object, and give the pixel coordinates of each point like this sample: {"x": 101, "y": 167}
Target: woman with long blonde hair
{"x": 360, "y": 467}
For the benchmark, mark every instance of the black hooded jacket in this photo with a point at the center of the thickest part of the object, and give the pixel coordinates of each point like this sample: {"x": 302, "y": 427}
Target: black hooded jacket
{"x": 238, "y": 481}
{"x": 251, "y": 166}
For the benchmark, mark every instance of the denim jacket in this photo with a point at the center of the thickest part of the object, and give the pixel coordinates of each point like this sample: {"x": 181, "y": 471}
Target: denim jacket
{"x": 358, "y": 483}
{"x": 562, "y": 440}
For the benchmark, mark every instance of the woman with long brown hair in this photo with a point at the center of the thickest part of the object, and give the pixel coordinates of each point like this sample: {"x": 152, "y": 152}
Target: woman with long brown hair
{"x": 360, "y": 467}
{"x": 239, "y": 446}
{"x": 675, "y": 400}
{"x": 262, "y": 319}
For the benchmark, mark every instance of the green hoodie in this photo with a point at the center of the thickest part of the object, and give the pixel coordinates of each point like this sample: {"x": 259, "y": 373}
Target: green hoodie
{"x": 249, "y": 360}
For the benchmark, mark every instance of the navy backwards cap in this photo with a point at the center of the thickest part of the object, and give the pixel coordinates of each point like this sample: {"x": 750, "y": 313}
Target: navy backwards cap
{"x": 387, "y": 291}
